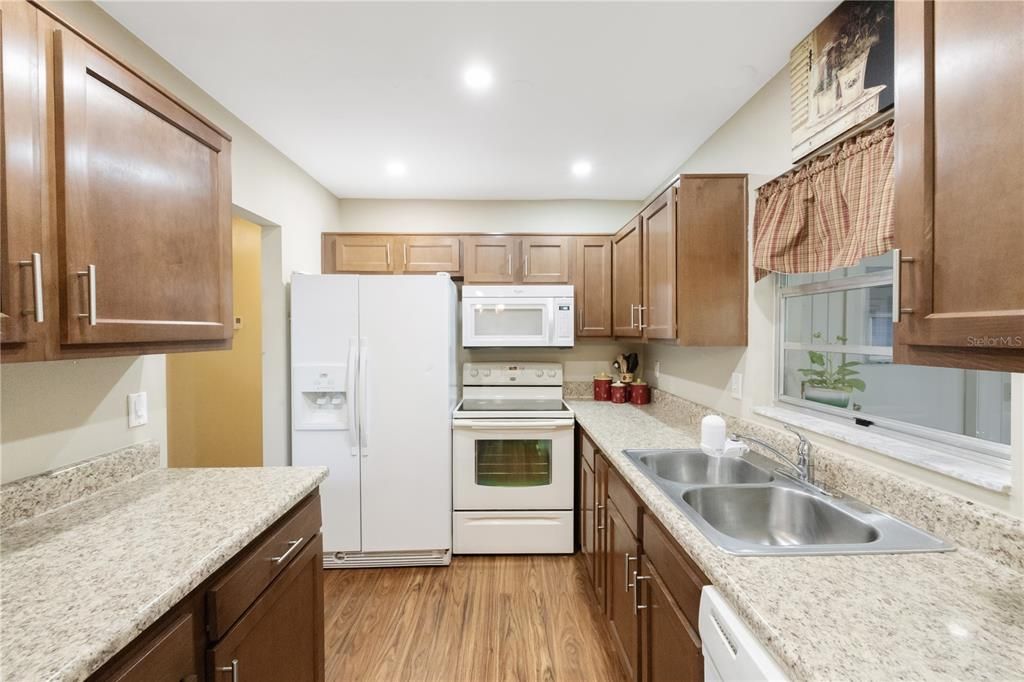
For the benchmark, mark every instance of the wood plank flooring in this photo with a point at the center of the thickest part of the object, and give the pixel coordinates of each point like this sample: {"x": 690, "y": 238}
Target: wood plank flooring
{"x": 482, "y": 619}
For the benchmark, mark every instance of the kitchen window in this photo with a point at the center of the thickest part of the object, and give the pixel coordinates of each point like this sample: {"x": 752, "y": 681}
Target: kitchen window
{"x": 835, "y": 346}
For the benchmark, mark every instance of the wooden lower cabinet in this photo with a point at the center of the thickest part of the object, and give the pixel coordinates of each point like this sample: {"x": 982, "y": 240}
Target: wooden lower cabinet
{"x": 281, "y": 636}
{"x": 646, "y": 585}
{"x": 170, "y": 655}
{"x": 670, "y": 650}
{"x": 623, "y": 555}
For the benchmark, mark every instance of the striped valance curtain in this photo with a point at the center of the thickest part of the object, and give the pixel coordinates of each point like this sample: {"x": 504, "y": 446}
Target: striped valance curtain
{"x": 830, "y": 212}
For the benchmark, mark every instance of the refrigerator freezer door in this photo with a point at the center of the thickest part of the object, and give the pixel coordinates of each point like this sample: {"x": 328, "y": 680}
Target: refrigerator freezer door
{"x": 408, "y": 324}
{"x": 324, "y": 332}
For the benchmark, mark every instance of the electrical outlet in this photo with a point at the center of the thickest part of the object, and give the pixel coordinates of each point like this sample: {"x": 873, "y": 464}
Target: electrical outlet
{"x": 657, "y": 370}
{"x": 138, "y": 410}
{"x": 736, "y": 386}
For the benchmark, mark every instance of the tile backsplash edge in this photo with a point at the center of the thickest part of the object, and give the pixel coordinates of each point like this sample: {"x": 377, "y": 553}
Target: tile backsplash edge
{"x": 34, "y": 495}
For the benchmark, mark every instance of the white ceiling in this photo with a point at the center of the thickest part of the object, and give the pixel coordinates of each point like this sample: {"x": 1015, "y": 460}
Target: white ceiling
{"x": 345, "y": 88}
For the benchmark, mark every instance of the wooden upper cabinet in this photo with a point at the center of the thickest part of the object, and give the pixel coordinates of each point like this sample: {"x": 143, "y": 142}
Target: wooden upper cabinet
{"x": 592, "y": 278}
{"x": 22, "y": 306}
{"x": 960, "y": 184}
{"x": 627, "y": 279}
{"x": 430, "y": 253}
{"x": 658, "y": 313}
{"x": 143, "y": 191}
{"x": 545, "y": 259}
{"x": 358, "y": 253}
{"x": 711, "y": 228}
{"x": 490, "y": 259}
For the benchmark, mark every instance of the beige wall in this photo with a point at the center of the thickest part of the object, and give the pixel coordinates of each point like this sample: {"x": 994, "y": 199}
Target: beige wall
{"x": 54, "y": 414}
{"x": 756, "y": 141}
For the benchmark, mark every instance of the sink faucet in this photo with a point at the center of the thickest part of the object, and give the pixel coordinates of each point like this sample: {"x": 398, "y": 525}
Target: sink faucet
{"x": 803, "y": 466}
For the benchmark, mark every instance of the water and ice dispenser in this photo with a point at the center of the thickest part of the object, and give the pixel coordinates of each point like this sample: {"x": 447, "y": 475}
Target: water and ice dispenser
{"x": 322, "y": 398}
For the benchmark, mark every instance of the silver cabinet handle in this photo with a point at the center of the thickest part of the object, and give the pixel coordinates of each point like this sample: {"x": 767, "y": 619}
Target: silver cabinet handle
{"x": 632, "y": 315}
{"x": 36, "y": 263}
{"x": 626, "y": 569}
{"x": 387, "y": 253}
{"x": 600, "y": 508}
{"x": 233, "y": 669}
{"x": 90, "y": 272}
{"x": 510, "y": 263}
{"x": 405, "y": 255}
{"x": 637, "y": 606}
{"x": 526, "y": 265}
{"x": 292, "y": 544}
{"x": 897, "y": 261}
{"x": 640, "y": 309}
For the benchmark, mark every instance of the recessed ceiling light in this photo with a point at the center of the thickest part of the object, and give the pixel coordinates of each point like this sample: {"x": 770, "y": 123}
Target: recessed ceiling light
{"x": 581, "y": 169}
{"x": 395, "y": 168}
{"x": 478, "y": 77}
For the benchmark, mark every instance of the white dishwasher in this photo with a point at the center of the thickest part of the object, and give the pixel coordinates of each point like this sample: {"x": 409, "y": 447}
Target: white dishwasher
{"x": 731, "y": 651}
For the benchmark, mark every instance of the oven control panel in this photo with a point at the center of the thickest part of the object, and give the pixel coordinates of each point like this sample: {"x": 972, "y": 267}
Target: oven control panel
{"x": 512, "y": 374}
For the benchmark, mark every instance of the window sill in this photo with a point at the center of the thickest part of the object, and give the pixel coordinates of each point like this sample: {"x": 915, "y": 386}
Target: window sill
{"x": 991, "y": 476}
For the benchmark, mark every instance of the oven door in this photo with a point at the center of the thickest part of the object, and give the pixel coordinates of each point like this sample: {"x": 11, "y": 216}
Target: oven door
{"x": 509, "y": 322}
{"x": 513, "y": 464}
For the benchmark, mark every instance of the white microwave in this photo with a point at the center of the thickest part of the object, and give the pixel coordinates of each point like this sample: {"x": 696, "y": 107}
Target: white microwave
{"x": 528, "y": 316}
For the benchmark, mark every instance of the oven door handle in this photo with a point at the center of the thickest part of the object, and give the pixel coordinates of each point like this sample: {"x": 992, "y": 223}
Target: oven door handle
{"x": 524, "y": 425}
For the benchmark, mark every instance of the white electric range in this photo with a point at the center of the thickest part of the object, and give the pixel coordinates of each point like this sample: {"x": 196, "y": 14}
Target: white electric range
{"x": 512, "y": 452}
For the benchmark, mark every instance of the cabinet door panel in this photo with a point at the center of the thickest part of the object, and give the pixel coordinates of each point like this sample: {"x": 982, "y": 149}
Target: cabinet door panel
{"x": 354, "y": 253}
{"x": 623, "y": 555}
{"x": 170, "y": 656}
{"x": 545, "y": 259}
{"x": 659, "y": 239}
{"x": 601, "y": 532}
{"x": 593, "y": 285}
{"x": 671, "y": 646}
{"x": 588, "y": 517}
{"x": 627, "y": 279}
{"x": 430, "y": 253}
{"x": 960, "y": 184}
{"x": 490, "y": 259}
{"x": 281, "y": 636}
{"x": 143, "y": 192}
{"x": 22, "y": 310}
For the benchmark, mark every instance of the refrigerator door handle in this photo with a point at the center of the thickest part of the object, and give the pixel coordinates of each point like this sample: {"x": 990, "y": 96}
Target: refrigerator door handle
{"x": 350, "y": 396}
{"x": 364, "y": 419}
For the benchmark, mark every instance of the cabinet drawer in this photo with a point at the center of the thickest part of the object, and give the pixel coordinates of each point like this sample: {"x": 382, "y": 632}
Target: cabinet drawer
{"x": 587, "y": 449}
{"x": 256, "y": 568}
{"x": 625, "y": 500}
{"x": 683, "y": 580}
{"x": 168, "y": 654}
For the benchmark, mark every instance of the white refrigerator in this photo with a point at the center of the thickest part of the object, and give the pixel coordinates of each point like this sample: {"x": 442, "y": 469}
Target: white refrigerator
{"x": 374, "y": 383}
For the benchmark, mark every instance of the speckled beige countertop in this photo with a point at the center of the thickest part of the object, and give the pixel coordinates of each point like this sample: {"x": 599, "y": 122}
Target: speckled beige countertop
{"x": 80, "y": 582}
{"x": 955, "y": 616}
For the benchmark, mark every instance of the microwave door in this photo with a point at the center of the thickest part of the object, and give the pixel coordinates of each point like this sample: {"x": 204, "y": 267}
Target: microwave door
{"x": 506, "y": 322}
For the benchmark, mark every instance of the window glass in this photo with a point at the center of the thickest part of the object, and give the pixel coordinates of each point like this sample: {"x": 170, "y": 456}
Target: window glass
{"x": 503, "y": 320}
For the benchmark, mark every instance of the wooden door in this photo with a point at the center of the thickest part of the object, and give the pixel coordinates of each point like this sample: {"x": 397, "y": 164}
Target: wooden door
{"x": 593, "y": 285}
{"x": 357, "y": 253}
{"x": 711, "y": 231}
{"x": 144, "y": 207}
{"x": 960, "y": 184}
{"x": 489, "y": 259}
{"x": 601, "y": 531}
{"x": 430, "y": 253}
{"x": 545, "y": 259}
{"x": 281, "y": 636}
{"x": 671, "y": 647}
{"x": 627, "y": 279}
{"x": 658, "y": 314}
{"x": 623, "y": 554}
{"x": 22, "y": 308}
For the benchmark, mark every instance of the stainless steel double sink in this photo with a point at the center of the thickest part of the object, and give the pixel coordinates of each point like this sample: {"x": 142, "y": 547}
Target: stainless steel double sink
{"x": 744, "y": 506}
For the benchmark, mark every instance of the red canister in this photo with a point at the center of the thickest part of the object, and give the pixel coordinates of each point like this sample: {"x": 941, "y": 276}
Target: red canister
{"x": 618, "y": 392}
{"x": 602, "y": 387}
{"x": 640, "y": 394}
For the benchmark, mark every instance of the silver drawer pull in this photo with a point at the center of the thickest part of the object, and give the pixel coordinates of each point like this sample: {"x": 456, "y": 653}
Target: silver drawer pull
{"x": 233, "y": 669}
{"x": 600, "y": 508}
{"x": 90, "y": 272}
{"x": 292, "y": 544}
{"x": 626, "y": 570}
{"x": 36, "y": 263}
{"x": 637, "y": 606}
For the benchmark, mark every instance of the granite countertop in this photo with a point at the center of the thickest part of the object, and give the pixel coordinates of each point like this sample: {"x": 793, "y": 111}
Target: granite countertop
{"x": 82, "y": 581}
{"x": 956, "y": 615}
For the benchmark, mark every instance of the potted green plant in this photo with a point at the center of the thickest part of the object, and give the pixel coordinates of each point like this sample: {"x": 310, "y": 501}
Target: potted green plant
{"x": 828, "y": 382}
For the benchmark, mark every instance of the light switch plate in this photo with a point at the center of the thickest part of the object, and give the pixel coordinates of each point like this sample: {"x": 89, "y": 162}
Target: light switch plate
{"x": 736, "y": 386}
{"x": 138, "y": 410}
